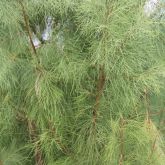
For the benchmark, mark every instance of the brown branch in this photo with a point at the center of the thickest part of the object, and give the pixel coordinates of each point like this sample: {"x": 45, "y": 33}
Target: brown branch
{"x": 33, "y": 135}
{"x": 28, "y": 29}
{"x": 148, "y": 118}
{"x": 147, "y": 105}
{"x": 64, "y": 149}
{"x": 153, "y": 147}
{"x": 31, "y": 124}
{"x": 121, "y": 158}
{"x": 32, "y": 129}
{"x": 100, "y": 87}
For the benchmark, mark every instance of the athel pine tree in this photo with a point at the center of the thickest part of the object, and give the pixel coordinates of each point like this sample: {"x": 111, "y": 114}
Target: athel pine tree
{"x": 81, "y": 82}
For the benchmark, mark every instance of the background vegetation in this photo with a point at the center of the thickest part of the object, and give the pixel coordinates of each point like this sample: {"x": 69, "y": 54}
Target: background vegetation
{"x": 92, "y": 95}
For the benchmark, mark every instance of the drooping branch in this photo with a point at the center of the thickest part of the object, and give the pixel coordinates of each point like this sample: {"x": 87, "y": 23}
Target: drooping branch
{"x": 100, "y": 87}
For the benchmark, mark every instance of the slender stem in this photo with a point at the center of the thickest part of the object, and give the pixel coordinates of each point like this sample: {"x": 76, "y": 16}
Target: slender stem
{"x": 57, "y": 139}
{"x": 31, "y": 124}
{"x": 28, "y": 29}
{"x": 102, "y": 76}
{"x": 33, "y": 135}
{"x": 147, "y": 104}
{"x": 153, "y": 147}
{"x": 100, "y": 87}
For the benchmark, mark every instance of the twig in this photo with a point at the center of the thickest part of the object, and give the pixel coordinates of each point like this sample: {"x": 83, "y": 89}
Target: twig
{"x": 57, "y": 139}
{"x": 28, "y": 29}
{"x": 100, "y": 87}
{"x": 31, "y": 124}
{"x": 33, "y": 135}
{"x": 148, "y": 114}
{"x": 153, "y": 147}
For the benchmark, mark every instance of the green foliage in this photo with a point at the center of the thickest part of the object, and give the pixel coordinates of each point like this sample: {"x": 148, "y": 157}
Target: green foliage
{"x": 89, "y": 101}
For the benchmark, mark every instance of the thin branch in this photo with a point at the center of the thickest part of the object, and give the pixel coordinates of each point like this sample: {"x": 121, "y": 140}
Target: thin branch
{"x": 31, "y": 124}
{"x": 33, "y": 135}
{"x": 57, "y": 139}
{"x": 147, "y": 105}
{"x": 153, "y": 147}
{"x": 28, "y": 29}
{"x": 100, "y": 87}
